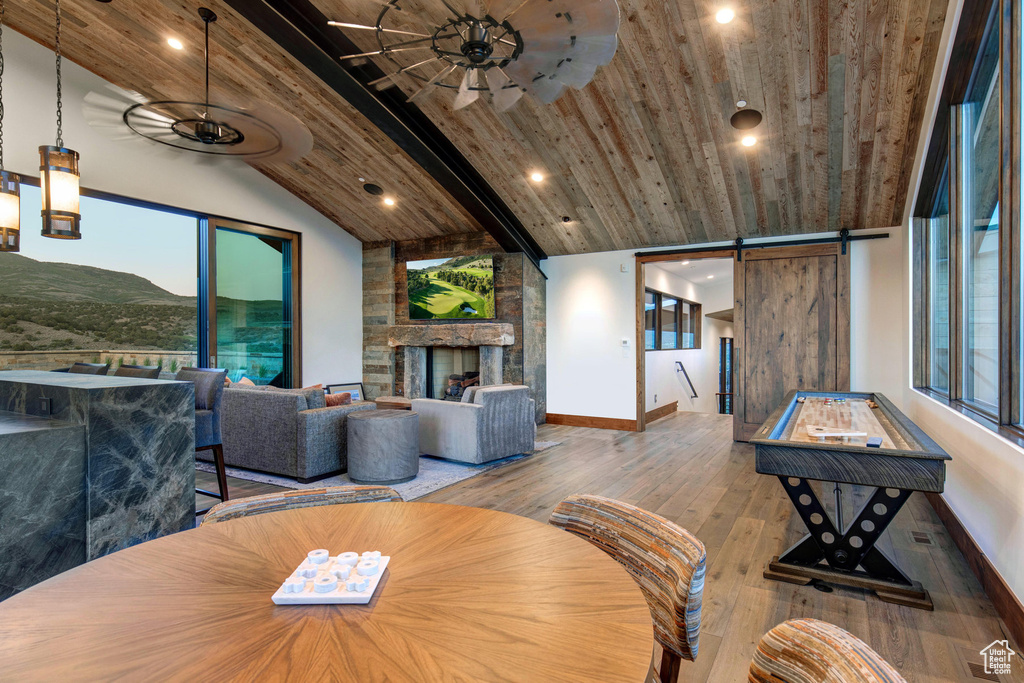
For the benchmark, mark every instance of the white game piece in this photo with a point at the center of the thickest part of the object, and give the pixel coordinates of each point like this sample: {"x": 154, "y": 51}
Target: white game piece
{"x": 357, "y": 585}
{"x": 347, "y": 558}
{"x": 333, "y": 579}
{"x": 306, "y": 570}
{"x": 318, "y": 556}
{"x": 367, "y": 567}
{"x": 325, "y": 583}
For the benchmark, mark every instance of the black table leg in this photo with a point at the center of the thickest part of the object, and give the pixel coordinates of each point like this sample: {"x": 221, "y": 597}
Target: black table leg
{"x": 843, "y": 553}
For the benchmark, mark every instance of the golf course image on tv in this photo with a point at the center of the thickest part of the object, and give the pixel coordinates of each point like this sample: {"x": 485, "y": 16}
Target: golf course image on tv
{"x": 461, "y": 287}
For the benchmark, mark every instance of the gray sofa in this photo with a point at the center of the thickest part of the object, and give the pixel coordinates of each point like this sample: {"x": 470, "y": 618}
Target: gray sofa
{"x": 491, "y": 422}
{"x": 285, "y": 431}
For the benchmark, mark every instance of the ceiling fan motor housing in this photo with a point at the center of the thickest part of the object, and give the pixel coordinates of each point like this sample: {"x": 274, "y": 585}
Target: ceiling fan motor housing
{"x": 477, "y": 47}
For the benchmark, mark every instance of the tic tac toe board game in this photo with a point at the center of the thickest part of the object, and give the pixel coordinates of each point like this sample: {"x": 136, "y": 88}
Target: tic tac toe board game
{"x": 343, "y": 579}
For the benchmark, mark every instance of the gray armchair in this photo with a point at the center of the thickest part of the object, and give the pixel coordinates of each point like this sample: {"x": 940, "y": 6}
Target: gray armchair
{"x": 491, "y": 422}
{"x": 286, "y": 432}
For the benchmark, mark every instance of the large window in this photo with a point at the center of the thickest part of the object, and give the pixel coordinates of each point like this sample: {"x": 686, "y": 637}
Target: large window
{"x": 968, "y": 224}
{"x": 128, "y": 293}
{"x": 670, "y": 322}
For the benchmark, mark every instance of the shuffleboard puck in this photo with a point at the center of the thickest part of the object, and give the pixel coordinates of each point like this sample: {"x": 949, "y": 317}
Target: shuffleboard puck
{"x": 875, "y": 442}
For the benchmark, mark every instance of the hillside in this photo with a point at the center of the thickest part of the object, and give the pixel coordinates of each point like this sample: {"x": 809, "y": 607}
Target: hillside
{"x": 25, "y": 278}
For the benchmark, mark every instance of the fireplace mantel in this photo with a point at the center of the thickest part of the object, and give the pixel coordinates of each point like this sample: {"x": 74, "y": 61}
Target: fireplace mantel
{"x": 453, "y": 334}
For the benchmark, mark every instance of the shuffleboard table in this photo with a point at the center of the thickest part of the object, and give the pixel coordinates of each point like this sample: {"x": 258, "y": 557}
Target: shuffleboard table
{"x": 847, "y": 438}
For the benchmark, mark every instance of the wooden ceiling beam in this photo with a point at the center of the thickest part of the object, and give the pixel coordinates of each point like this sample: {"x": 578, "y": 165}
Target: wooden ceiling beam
{"x": 301, "y": 29}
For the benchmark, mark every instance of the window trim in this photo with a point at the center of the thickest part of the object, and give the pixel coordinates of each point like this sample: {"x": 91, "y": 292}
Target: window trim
{"x": 998, "y": 20}
{"x": 695, "y": 315}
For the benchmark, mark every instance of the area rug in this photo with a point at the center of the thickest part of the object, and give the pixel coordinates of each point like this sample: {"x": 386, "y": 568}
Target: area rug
{"x": 435, "y": 474}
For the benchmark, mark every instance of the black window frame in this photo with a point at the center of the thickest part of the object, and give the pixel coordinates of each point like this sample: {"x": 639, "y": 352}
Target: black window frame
{"x": 694, "y": 320}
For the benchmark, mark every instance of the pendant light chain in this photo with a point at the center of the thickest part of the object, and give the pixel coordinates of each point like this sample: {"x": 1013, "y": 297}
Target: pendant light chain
{"x": 2, "y": 9}
{"x": 60, "y": 113}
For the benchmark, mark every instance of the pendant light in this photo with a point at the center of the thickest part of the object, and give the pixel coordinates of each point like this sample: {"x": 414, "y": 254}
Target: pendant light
{"x": 58, "y": 175}
{"x": 10, "y": 183}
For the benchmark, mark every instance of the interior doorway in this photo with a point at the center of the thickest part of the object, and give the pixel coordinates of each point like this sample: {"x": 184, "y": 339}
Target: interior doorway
{"x": 687, "y": 310}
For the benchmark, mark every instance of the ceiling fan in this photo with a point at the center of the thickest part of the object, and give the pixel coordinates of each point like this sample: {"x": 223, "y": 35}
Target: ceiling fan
{"x": 250, "y": 130}
{"x": 505, "y": 47}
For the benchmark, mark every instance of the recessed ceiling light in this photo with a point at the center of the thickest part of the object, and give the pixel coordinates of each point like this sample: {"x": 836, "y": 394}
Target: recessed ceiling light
{"x": 389, "y": 201}
{"x": 711, "y": 277}
{"x": 748, "y": 141}
{"x": 741, "y": 103}
{"x": 536, "y": 177}
{"x": 724, "y": 16}
{"x": 686, "y": 263}
{"x": 175, "y": 43}
{"x": 362, "y": 180}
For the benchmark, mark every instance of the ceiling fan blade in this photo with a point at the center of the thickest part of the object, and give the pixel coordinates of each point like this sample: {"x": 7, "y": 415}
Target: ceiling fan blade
{"x": 381, "y": 52}
{"x": 468, "y": 93}
{"x": 546, "y": 89}
{"x": 504, "y": 93}
{"x": 438, "y": 77}
{"x": 391, "y": 79}
{"x": 341, "y": 24}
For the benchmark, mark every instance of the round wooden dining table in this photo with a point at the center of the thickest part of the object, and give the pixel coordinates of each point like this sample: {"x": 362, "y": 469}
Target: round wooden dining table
{"x": 469, "y": 595}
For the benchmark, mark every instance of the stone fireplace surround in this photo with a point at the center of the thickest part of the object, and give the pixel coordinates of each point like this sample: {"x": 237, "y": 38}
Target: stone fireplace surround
{"x": 490, "y": 338}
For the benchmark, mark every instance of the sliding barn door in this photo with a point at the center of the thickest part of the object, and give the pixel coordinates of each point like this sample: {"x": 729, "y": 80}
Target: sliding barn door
{"x": 792, "y": 328}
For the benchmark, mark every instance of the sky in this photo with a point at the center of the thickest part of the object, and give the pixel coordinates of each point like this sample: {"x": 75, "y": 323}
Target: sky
{"x": 158, "y": 246}
{"x": 423, "y": 265}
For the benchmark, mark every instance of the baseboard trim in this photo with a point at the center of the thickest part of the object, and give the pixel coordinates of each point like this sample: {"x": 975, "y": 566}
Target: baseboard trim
{"x": 1007, "y": 605}
{"x": 593, "y": 422}
{"x": 662, "y": 411}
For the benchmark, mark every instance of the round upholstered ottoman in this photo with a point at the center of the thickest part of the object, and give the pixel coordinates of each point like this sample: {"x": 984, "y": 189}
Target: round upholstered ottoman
{"x": 383, "y": 446}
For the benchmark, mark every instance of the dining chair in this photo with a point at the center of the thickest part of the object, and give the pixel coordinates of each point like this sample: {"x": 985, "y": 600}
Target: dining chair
{"x": 138, "y": 371}
{"x": 89, "y": 368}
{"x": 812, "y": 651}
{"x": 209, "y": 385}
{"x": 666, "y": 561}
{"x": 291, "y": 500}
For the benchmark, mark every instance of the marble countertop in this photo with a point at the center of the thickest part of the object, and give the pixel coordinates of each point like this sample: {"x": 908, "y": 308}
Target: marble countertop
{"x": 17, "y": 423}
{"x": 76, "y": 381}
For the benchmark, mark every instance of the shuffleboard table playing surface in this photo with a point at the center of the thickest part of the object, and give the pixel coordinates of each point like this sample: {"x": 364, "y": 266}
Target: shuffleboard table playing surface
{"x": 847, "y": 438}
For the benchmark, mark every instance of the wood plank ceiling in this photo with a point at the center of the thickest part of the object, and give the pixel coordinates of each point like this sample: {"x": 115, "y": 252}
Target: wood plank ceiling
{"x": 644, "y": 156}
{"x": 125, "y": 42}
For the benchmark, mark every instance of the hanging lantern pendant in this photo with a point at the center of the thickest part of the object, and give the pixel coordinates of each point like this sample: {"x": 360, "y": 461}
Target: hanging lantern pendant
{"x": 58, "y": 175}
{"x": 10, "y": 183}
{"x": 58, "y": 179}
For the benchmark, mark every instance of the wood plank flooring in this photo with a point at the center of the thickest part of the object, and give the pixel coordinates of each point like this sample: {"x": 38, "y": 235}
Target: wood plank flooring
{"x": 687, "y": 468}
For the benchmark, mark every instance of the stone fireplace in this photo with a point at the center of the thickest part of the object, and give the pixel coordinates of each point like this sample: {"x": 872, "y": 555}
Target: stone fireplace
{"x": 489, "y": 339}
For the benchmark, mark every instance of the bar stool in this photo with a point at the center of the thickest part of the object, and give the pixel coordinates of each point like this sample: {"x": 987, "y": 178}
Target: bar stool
{"x": 209, "y": 385}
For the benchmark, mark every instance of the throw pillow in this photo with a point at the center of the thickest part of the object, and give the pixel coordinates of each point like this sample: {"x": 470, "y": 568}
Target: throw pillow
{"x": 245, "y": 381}
{"x": 342, "y": 399}
{"x": 227, "y": 381}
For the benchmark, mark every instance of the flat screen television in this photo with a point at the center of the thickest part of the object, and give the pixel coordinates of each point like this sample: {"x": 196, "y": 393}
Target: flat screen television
{"x": 460, "y": 287}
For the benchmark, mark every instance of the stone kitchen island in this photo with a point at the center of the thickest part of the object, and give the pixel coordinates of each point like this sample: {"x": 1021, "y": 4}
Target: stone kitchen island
{"x": 90, "y": 464}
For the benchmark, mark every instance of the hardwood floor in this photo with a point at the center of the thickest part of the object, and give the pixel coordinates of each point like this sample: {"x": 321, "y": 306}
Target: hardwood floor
{"x": 687, "y": 468}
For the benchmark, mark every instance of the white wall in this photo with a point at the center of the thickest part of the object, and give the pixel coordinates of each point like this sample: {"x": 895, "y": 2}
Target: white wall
{"x": 663, "y": 383}
{"x": 331, "y": 258}
{"x": 591, "y": 311}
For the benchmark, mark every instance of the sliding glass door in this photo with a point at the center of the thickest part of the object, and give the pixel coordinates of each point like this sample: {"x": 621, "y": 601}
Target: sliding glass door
{"x": 253, "y": 302}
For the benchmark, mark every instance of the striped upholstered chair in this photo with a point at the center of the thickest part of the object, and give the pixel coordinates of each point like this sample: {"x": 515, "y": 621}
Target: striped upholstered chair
{"x": 666, "y": 560}
{"x": 812, "y": 651}
{"x": 303, "y": 498}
